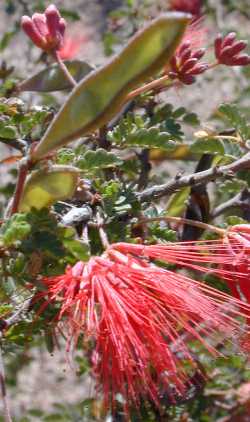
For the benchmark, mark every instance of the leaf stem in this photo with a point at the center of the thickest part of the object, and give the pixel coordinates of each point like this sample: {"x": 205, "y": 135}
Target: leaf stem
{"x": 194, "y": 223}
{"x": 64, "y": 69}
{"x": 6, "y": 407}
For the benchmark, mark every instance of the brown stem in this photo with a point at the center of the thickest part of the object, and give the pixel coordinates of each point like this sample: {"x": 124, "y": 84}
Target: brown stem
{"x": 22, "y": 174}
{"x": 64, "y": 69}
{"x": 6, "y": 407}
{"x": 171, "y": 219}
{"x": 194, "y": 179}
{"x": 241, "y": 200}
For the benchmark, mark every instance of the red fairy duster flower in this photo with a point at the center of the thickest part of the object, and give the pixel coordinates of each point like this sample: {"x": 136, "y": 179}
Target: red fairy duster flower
{"x": 185, "y": 65}
{"x": 46, "y": 30}
{"x": 188, "y": 6}
{"x": 237, "y": 241}
{"x": 228, "y": 50}
{"x": 138, "y": 318}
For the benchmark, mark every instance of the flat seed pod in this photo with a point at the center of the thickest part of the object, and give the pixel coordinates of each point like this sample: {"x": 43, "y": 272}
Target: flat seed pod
{"x": 98, "y": 98}
{"x": 45, "y": 187}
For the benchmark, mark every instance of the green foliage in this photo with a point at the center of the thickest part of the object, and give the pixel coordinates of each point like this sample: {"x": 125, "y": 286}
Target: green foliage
{"x": 232, "y": 113}
{"x": 137, "y": 131}
{"x": 98, "y": 159}
{"x": 15, "y": 230}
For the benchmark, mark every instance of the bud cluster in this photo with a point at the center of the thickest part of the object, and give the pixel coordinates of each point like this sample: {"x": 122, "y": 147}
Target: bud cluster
{"x": 185, "y": 64}
{"x": 228, "y": 49}
{"x": 46, "y": 30}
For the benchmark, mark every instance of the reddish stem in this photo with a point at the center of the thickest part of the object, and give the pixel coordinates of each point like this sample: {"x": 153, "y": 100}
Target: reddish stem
{"x": 64, "y": 69}
{"x": 22, "y": 174}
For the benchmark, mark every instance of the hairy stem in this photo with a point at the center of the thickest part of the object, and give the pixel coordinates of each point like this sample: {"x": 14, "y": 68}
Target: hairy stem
{"x": 6, "y": 406}
{"x": 64, "y": 69}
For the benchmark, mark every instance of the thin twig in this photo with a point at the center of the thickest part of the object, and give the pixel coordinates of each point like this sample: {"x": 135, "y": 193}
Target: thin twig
{"x": 241, "y": 200}
{"x": 64, "y": 69}
{"x": 6, "y": 406}
{"x": 102, "y": 233}
{"x": 194, "y": 179}
{"x": 18, "y": 315}
{"x": 181, "y": 220}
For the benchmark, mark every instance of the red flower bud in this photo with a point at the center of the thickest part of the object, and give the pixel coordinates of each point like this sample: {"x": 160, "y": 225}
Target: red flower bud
{"x": 199, "y": 68}
{"x": 31, "y": 30}
{"x": 227, "y": 51}
{"x": 188, "y": 65}
{"x": 45, "y": 30}
{"x": 198, "y": 54}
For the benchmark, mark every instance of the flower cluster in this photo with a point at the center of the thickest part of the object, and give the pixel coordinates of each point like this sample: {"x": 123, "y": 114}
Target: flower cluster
{"x": 139, "y": 318}
{"x": 46, "y": 30}
{"x": 185, "y": 65}
{"x": 228, "y": 50}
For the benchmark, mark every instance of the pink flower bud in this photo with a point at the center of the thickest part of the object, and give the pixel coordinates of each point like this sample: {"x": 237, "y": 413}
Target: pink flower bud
{"x": 184, "y": 46}
{"x": 199, "y": 68}
{"x": 237, "y": 47}
{"x": 186, "y": 54}
{"x": 229, "y": 39}
{"x": 39, "y": 21}
{"x": 53, "y": 19}
{"x": 198, "y": 54}
{"x": 227, "y": 51}
{"x": 189, "y": 64}
{"x": 243, "y": 60}
{"x": 31, "y": 30}
{"x": 45, "y": 30}
{"x": 218, "y": 45}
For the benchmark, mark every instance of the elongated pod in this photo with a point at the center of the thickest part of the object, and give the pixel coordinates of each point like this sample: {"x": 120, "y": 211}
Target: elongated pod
{"x": 99, "y": 96}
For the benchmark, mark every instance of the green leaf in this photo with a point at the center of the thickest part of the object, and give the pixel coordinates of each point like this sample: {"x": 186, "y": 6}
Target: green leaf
{"x": 151, "y": 138}
{"x": 98, "y": 98}
{"x": 15, "y": 229}
{"x": 208, "y": 146}
{"x": 8, "y": 132}
{"x": 191, "y": 119}
{"x": 234, "y": 116}
{"x": 98, "y": 159}
{"x": 45, "y": 187}
{"x": 177, "y": 202}
{"x": 77, "y": 248}
{"x": 53, "y": 79}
